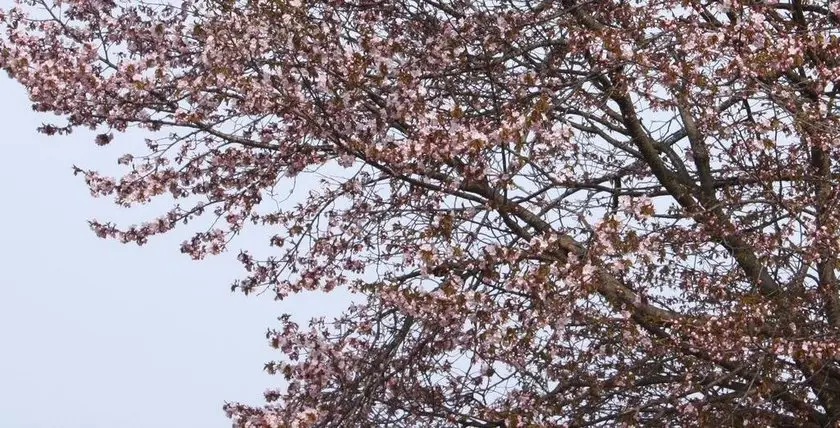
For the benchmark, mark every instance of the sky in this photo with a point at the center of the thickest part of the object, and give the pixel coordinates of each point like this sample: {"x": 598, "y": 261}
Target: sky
{"x": 101, "y": 334}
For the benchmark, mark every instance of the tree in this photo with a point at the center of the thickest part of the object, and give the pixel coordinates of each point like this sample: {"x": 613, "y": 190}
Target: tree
{"x": 549, "y": 213}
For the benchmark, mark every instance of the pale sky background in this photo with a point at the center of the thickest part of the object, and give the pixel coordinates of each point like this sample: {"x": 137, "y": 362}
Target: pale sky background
{"x": 100, "y": 334}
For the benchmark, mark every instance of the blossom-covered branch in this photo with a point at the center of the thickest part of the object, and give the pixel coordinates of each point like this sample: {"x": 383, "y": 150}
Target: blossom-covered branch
{"x": 567, "y": 213}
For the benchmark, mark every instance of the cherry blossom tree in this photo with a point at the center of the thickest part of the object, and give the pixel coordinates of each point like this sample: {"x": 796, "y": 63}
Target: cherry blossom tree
{"x": 547, "y": 213}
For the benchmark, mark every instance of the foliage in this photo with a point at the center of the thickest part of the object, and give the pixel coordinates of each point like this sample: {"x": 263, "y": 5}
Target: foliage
{"x": 548, "y": 213}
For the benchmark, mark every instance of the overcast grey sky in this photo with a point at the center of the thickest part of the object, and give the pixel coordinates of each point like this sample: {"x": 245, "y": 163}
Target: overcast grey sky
{"x": 99, "y": 334}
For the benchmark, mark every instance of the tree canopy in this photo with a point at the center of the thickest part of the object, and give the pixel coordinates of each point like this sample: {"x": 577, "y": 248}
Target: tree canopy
{"x": 548, "y": 213}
